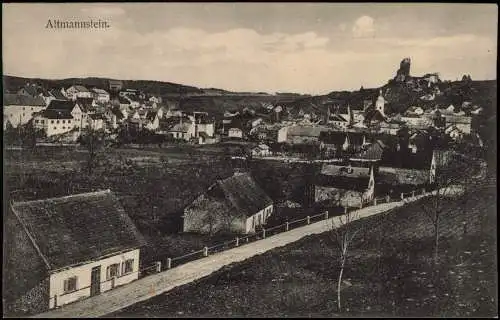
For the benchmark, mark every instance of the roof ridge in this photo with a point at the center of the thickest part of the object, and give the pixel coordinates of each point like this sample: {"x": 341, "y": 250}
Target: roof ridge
{"x": 64, "y": 197}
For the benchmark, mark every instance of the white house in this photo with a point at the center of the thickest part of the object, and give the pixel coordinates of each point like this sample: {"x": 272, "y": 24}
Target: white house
{"x": 261, "y": 150}
{"x": 65, "y": 106}
{"x": 183, "y": 130}
{"x": 454, "y": 132}
{"x": 54, "y": 122}
{"x": 19, "y": 109}
{"x": 96, "y": 121}
{"x": 235, "y": 133}
{"x": 236, "y": 204}
{"x": 64, "y": 250}
{"x": 155, "y": 99}
{"x": 78, "y": 91}
{"x": 100, "y": 95}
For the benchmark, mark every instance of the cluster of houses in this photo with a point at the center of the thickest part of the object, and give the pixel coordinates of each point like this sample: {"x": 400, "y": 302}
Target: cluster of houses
{"x": 72, "y": 257}
{"x": 67, "y": 111}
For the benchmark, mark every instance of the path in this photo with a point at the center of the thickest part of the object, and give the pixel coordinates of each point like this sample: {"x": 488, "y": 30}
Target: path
{"x": 153, "y": 285}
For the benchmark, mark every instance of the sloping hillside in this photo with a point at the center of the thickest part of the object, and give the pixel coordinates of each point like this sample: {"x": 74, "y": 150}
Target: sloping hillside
{"x": 389, "y": 273}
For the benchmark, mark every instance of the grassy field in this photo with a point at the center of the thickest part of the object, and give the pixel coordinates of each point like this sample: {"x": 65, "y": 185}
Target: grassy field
{"x": 154, "y": 184}
{"x": 389, "y": 272}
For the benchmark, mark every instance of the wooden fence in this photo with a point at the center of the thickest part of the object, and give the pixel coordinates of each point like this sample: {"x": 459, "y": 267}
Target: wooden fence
{"x": 172, "y": 262}
{"x": 274, "y": 230}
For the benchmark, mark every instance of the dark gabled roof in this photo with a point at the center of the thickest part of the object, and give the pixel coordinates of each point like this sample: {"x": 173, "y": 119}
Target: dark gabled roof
{"x": 402, "y": 176}
{"x": 63, "y": 105}
{"x": 305, "y": 131}
{"x": 56, "y": 114}
{"x": 374, "y": 115}
{"x": 13, "y": 99}
{"x": 85, "y": 103}
{"x": 343, "y": 177}
{"x": 345, "y": 171}
{"x": 338, "y": 138}
{"x": 57, "y": 94}
{"x": 80, "y": 88}
{"x": 243, "y": 193}
{"x": 77, "y": 229}
{"x": 373, "y": 151}
{"x": 96, "y": 116}
{"x": 122, "y": 100}
{"x": 30, "y": 89}
{"x": 337, "y": 117}
{"x": 117, "y": 112}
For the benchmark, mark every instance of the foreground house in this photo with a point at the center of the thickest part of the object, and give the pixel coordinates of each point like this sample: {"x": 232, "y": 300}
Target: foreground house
{"x": 344, "y": 186}
{"x": 236, "y": 204}
{"x": 64, "y": 249}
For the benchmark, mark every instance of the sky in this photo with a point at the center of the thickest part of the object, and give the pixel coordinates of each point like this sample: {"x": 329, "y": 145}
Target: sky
{"x": 310, "y": 48}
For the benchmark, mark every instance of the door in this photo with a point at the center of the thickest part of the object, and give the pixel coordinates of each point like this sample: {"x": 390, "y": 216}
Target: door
{"x": 95, "y": 281}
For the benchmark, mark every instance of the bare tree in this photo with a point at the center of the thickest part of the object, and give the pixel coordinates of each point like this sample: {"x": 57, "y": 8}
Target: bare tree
{"x": 211, "y": 215}
{"x": 449, "y": 182}
{"x": 342, "y": 234}
{"x": 94, "y": 142}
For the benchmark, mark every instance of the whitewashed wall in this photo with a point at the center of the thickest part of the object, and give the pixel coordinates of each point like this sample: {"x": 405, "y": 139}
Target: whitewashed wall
{"x": 84, "y": 275}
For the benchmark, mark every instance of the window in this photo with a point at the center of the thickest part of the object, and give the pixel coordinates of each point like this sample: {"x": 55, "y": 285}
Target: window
{"x": 23, "y": 114}
{"x": 70, "y": 285}
{"x": 57, "y": 121}
{"x": 42, "y": 121}
{"x": 51, "y": 121}
{"x": 55, "y": 128}
{"x": 31, "y": 108}
{"x": 127, "y": 266}
{"x": 112, "y": 271}
{"x": 69, "y": 121}
{"x": 36, "y": 121}
{"x": 64, "y": 127}
{"x": 64, "y": 121}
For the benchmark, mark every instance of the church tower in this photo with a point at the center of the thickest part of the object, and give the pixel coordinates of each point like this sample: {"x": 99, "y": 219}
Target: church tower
{"x": 379, "y": 105}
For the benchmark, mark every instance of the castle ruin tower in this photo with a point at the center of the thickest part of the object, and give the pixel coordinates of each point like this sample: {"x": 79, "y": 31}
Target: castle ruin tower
{"x": 379, "y": 105}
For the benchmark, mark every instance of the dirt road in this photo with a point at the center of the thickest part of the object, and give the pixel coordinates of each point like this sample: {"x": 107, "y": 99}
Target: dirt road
{"x": 153, "y": 285}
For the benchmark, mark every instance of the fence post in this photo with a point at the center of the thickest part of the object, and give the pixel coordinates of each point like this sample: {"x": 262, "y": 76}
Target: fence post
{"x": 423, "y": 191}
{"x": 361, "y": 204}
{"x": 237, "y": 241}
{"x": 55, "y": 301}
{"x": 308, "y": 219}
{"x": 158, "y": 266}
{"x": 388, "y": 198}
{"x": 345, "y": 210}
{"x": 169, "y": 263}
{"x": 263, "y": 233}
{"x": 205, "y": 251}
{"x": 374, "y": 201}
{"x": 413, "y": 194}
{"x": 402, "y": 196}
{"x": 326, "y": 214}
{"x": 287, "y": 227}
{"x": 113, "y": 282}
